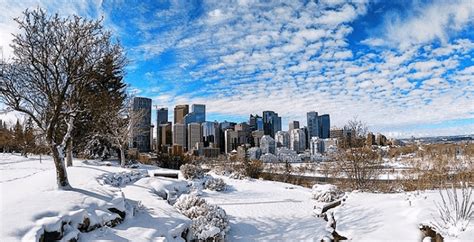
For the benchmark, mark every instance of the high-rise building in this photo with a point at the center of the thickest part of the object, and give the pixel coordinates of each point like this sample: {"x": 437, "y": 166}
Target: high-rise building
{"x": 223, "y": 126}
{"x": 199, "y": 111}
{"x": 161, "y": 118}
{"x": 267, "y": 145}
{"x": 282, "y": 139}
{"x": 179, "y": 135}
{"x": 141, "y": 137}
{"x": 179, "y": 112}
{"x": 313, "y": 124}
{"x": 194, "y": 135}
{"x": 243, "y": 132}
{"x": 210, "y": 134}
{"x": 231, "y": 143}
{"x": 165, "y": 136}
{"x": 324, "y": 126}
{"x": 255, "y": 122}
{"x": 297, "y": 140}
{"x": 271, "y": 123}
{"x": 293, "y": 125}
{"x": 197, "y": 114}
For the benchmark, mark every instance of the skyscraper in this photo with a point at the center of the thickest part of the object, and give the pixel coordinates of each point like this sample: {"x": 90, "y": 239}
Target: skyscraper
{"x": 200, "y": 111}
{"x": 210, "y": 134}
{"x": 297, "y": 140}
{"x": 194, "y": 135}
{"x": 161, "y": 118}
{"x": 141, "y": 136}
{"x": 231, "y": 143}
{"x": 324, "y": 126}
{"x": 293, "y": 125}
{"x": 165, "y": 136}
{"x": 271, "y": 123}
{"x": 313, "y": 124}
{"x": 255, "y": 122}
{"x": 179, "y": 135}
{"x": 179, "y": 112}
{"x": 197, "y": 114}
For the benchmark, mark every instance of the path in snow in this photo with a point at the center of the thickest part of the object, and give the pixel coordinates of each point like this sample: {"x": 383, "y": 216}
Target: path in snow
{"x": 265, "y": 210}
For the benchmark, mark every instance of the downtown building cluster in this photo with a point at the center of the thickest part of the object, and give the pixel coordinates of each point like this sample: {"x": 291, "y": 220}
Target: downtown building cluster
{"x": 261, "y": 137}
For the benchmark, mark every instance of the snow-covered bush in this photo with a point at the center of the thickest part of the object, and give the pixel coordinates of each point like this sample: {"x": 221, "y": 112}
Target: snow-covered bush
{"x": 208, "y": 221}
{"x": 326, "y": 193}
{"x": 191, "y": 171}
{"x": 122, "y": 178}
{"x": 215, "y": 184}
{"x": 455, "y": 210}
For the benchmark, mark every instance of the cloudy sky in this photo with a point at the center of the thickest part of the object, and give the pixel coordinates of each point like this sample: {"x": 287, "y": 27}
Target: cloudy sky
{"x": 404, "y": 67}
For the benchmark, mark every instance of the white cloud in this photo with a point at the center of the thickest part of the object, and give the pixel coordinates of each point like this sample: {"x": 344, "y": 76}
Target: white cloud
{"x": 425, "y": 23}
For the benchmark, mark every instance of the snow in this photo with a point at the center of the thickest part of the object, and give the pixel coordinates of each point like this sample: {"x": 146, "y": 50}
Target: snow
{"x": 264, "y": 210}
{"x": 257, "y": 210}
{"x": 326, "y": 193}
{"x": 30, "y": 200}
{"x": 381, "y": 217}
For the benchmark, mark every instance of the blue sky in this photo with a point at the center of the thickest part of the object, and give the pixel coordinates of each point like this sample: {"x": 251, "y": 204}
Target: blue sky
{"x": 404, "y": 67}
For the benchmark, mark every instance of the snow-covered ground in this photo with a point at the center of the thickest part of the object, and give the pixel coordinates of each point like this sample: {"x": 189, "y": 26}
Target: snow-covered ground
{"x": 258, "y": 210}
{"x": 265, "y": 210}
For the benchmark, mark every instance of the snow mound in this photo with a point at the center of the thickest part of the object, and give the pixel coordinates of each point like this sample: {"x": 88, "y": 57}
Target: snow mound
{"x": 68, "y": 226}
{"x": 120, "y": 179}
{"x": 208, "y": 221}
{"x": 326, "y": 193}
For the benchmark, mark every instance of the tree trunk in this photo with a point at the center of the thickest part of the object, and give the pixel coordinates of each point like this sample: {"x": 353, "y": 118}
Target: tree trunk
{"x": 69, "y": 153}
{"x": 122, "y": 156}
{"x": 61, "y": 174}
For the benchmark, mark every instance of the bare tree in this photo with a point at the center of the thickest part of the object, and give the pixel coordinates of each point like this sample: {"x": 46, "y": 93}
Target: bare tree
{"x": 55, "y": 61}
{"x": 358, "y": 132}
{"x": 123, "y": 125}
{"x": 360, "y": 166}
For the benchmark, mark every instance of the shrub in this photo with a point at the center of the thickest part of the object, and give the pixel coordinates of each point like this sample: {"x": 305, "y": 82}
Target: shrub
{"x": 191, "y": 171}
{"x": 215, "y": 184}
{"x": 454, "y": 212}
{"x": 253, "y": 168}
{"x": 326, "y": 193}
{"x": 208, "y": 221}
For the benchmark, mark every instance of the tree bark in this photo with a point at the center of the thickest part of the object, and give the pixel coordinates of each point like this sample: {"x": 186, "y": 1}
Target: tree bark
{"x": 122, "y": 156}
{"x": 69, "y": 153}
{"x": 61, "y": 174}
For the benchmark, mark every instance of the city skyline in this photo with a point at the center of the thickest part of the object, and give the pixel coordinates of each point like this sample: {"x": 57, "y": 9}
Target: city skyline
{"x": 405, "y": 68}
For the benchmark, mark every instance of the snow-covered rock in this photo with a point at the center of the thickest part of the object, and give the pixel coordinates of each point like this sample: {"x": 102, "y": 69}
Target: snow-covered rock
{"x": 326, "y": 193}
